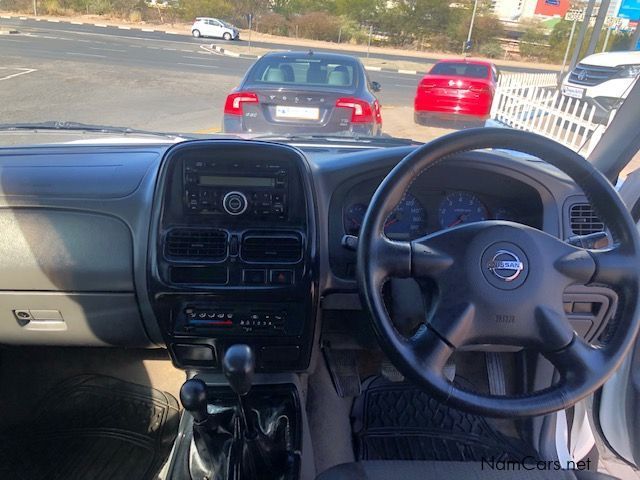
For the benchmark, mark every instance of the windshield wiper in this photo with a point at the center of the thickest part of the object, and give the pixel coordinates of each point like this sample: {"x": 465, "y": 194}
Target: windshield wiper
{"x": 83, "y": 127}
{"x": 337, "y": 138}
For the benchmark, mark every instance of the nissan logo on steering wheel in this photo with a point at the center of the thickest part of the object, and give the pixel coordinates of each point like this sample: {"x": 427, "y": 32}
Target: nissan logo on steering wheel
{"x": 506, "y": 265}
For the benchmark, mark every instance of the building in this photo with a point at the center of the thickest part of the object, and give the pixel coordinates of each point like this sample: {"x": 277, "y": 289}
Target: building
{"x": 516, "y": 10}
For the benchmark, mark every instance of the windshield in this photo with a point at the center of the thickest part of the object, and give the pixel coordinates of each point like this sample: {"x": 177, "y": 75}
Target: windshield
{"x": 75, "y": 70}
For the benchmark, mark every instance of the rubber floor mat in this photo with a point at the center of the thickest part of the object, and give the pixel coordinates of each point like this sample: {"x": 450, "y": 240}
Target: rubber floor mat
{"x": 398, "y": 421}
{"x": 93, "y": 427}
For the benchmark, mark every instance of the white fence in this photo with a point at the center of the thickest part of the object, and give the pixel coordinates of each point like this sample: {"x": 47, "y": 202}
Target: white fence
{"x": 534, "y": 103}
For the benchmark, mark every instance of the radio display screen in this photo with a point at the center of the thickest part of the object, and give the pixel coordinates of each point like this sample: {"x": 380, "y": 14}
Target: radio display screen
{"x": 226, "y": 181}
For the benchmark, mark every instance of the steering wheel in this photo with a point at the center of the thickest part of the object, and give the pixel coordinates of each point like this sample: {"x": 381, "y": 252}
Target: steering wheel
{"x": 501, "y": 283}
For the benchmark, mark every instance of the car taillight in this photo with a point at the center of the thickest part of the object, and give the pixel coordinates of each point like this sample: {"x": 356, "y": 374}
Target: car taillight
{"x": 378, "y": 112}
{"x": 360, "y": 110}
{"x": 235, "y": 101}
{"x": 480, "y": 89}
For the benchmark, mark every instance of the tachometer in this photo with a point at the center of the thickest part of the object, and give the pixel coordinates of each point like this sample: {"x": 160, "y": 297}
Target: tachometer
{"x": 408, "y": 220}
{"x": 461, "y": 207}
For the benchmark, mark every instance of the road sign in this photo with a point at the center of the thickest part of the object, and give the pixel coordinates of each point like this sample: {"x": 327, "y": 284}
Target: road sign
{"x": 630, "y": 9}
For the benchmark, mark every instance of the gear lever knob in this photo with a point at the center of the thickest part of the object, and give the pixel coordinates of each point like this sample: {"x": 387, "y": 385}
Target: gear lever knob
{"x": 193, "y": 396}
{"x": 238, "y": 366}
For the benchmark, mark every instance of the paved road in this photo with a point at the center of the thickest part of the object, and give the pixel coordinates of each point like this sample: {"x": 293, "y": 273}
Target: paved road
{"x": 138, "y": 33}
{"x": 170, "y": 75}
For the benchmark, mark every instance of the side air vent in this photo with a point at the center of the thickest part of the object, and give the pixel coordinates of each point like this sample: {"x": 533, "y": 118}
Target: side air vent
{"x": 584, "y": 220}
{"x": 205, "y": 244}
{"x": 271, "y": 247}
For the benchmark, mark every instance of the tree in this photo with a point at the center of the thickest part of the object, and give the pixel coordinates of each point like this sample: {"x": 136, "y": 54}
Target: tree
{"x": 363, "y": 11}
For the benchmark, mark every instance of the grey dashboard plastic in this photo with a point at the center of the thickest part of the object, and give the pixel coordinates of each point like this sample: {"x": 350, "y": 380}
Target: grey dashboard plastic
{"x": 74, "y": 224}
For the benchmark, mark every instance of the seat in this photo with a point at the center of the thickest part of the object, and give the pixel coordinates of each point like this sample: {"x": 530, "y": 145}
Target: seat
{"x": 274, "y": 75}
{"x": 339, "y": 77}
{"x": 287, "y": 71}
{"x": 421, "y": 470}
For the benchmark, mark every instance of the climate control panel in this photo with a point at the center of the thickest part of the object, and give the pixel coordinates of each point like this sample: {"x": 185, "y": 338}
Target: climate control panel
{"x": 238, "y": 319}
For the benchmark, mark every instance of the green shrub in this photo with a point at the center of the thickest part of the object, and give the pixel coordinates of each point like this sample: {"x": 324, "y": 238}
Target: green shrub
{"x": 491, "y": 50}
{"x": 317, "y": 26}
{"x": 273, "y": 24}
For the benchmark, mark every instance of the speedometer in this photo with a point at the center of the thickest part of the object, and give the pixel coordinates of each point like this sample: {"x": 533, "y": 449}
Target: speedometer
{"x": 461, "y": 207}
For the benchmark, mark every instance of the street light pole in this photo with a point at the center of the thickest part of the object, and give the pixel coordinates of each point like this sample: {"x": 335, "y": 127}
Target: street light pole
{"x": 473, "y": 19}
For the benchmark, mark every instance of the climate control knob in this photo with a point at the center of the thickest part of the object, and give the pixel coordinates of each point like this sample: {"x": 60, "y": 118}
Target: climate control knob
{"x": 234, "y": 203}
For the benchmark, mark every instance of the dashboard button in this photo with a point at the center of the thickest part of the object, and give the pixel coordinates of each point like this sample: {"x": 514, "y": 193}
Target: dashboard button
{"x": 234, "y": 203}
{"x": 281, "y": 277}
{"x": 254, "y": 277}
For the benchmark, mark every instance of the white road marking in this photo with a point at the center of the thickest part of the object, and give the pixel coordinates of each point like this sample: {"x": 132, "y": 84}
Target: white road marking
{"x": 5, "y": 16}
{"x": 193, "y": 58}
{"x": 373, "y": 69}
{"x": 154, "y": 48}
{"x": 85, "y": 54}
{"x": 188, "y": 51}
{"x": 173, "y": 33}
{"x": 198, "y": 65}
{"x": 124, "y": 28}
{"x": 53, "y": 20}
{"x": 38, "y": 19}
{"x": 75, "y": 23}
{"x": 408, "y": 72}
{"x": 171, "y": 49}
{"x": 147, "y": 29}
{"x": 23, "y": 18}
{"x": 23, "y": 71}
{"x": 107, "y": 49}
{"x": 101, "y": 25}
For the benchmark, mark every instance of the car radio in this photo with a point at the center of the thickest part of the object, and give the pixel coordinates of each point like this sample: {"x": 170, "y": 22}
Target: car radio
{"x": 255, "y": 189}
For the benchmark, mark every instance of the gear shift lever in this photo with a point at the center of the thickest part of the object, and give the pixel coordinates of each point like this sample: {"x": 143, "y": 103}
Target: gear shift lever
{"x": 238, "y": 366}
{"x": 193, "y": 396}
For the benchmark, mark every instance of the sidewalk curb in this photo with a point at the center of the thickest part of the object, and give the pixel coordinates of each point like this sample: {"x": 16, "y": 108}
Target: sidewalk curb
{"x": 101, "y": 25}
{"x": 229, "y": 53}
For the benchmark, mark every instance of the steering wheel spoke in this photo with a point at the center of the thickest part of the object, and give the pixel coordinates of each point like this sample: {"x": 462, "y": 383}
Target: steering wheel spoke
{"x": 430, "y": 350}
{"x": 613, "y": 266}
{"x": 577, "y": 362}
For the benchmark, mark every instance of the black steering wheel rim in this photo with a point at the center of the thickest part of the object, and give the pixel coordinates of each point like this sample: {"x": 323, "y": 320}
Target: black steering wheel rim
{"x": 549, "y": 265}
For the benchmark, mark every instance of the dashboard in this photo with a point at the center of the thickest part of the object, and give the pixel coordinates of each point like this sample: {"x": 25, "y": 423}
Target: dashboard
{"x": 430, "y": 207}
{"x": 202, "y": 244}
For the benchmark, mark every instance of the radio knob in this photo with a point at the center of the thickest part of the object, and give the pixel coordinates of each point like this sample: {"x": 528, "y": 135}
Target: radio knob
{"x": 234, "y": 203}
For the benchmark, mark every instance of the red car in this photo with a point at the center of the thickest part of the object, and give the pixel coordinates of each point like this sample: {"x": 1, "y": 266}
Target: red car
{"x": 456, "y": 90}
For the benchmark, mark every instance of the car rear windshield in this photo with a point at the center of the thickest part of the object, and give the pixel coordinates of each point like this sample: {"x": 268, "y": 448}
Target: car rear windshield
{"x": 312, "y": 72}
{"x": 460, "y": 70}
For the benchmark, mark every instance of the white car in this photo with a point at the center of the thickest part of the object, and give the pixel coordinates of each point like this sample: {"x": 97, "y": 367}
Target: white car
{"x": 603, "y": 79}
{"x": 213, "y": 27}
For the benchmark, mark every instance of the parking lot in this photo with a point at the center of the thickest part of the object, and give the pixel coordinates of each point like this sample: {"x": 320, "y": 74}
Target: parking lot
{"x": 146, "y": 80}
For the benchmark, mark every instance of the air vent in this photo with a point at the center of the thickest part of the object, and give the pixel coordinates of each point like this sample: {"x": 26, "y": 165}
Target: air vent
{"x": 584, "y": 220}
{"x": 196, "y": 244}
{"x": 272, "y": 247}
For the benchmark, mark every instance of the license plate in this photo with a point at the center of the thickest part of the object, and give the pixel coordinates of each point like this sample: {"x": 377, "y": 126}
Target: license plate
{"x": 297, "y": 113}
{"x": 574, "y": 92}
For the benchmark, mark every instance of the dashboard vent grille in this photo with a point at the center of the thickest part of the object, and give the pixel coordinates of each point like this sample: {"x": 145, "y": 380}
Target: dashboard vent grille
{"x": 197, "y": 244}
{"x": 584, "y": 220}
{"x": 272, "y": 247}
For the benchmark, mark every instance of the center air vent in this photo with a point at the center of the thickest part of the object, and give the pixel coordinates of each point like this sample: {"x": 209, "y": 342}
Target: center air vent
{"x": 196, "y": 244}
{"x": 272, "y": 247}
{"x": 584, "y": 220}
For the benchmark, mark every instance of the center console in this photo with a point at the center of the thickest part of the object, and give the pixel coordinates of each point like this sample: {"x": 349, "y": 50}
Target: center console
{"x": 232, "y": 254}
